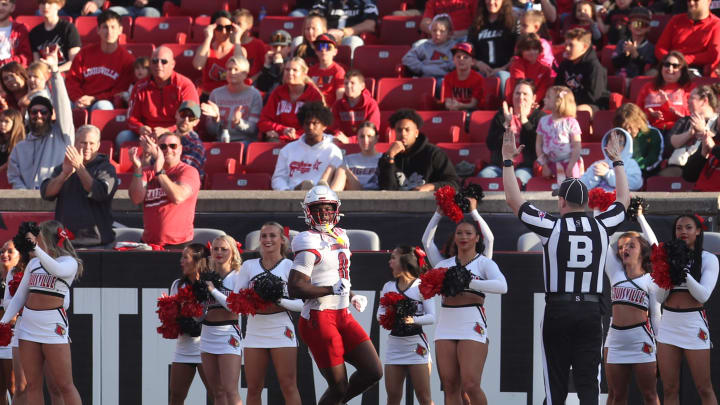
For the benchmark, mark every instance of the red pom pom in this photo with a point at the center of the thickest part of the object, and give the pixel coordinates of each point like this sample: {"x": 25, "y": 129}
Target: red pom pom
{"x": 168, "y": 308}
{"x": 387, "y": 320}
{"x": 661, "y": 268}
{"x": 599, "y": 199}
{"x": 6, "y": 334}
{"x": 246, "y": 302}
{"x": 431, "y": 282}
{"x": 445, "y": 198}
{"x": 388, "y": 302}
{"x": 169, "y": 331}
{"x": 15, "y": 282}
{"x": 189, "y": 305}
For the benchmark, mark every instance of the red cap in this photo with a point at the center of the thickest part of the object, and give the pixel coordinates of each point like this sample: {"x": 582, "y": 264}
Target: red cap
{"x": 463, "y": 47}
{"x": 325, "y": 38}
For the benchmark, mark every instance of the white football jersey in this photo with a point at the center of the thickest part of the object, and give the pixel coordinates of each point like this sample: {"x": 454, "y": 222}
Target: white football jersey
{"x": 332, "y": 261}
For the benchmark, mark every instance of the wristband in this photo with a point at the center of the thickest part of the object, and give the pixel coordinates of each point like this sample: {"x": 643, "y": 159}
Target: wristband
{"x": 138, "y": 175}
{"x": 160, "y": 172}
{"x": 507, "y": 163}
{"x": 618, "y": 163}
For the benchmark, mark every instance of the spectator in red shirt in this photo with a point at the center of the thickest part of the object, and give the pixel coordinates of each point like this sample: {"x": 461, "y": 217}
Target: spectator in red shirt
{"x": 328, "y": 75}
{"x": 665, "y": 99}
{"x": 526, "y": 64}
{"x": 695, "y": 34}
{"x": 155, "y": 100}
{"x": 222, "y": 40}
{"x": 463, "y": 87}
{"x": 356, "y": 106}
{"x": 168, "y": 190}
{"x": 14, "y": 37}
{"x": 461, "y": 14}
{"x": 101, "y": 71}
{"x": 278, "y": 119}
{"x": 255, "y": 48}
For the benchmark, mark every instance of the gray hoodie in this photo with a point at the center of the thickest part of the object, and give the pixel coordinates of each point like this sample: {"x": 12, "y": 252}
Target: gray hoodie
{"x": 429, "y": 59}
{"x": 34, "y": 159}
{"x": 607, "y": 182}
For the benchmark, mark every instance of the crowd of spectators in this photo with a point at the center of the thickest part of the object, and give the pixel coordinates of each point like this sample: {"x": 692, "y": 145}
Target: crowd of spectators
{"x": 546, "y": 55}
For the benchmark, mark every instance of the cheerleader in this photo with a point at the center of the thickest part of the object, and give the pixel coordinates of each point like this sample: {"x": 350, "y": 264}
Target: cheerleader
{"x": 461, "y": 334}
{"x": 683, "y": 329}
{"x": 407, "y": 349}
{"x": 435, "y": 256}
{"x": 43, "y": 331}
{"x": 187, "y": 349}
{"x": 220, "y": 341}
{"x": 9, "y": 257}
{"x": 630, "y": 343}
{"x": 270, "y": 334}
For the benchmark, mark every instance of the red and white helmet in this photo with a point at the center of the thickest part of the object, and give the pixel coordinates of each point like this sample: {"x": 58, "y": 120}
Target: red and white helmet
{"x": 320, "y": 194}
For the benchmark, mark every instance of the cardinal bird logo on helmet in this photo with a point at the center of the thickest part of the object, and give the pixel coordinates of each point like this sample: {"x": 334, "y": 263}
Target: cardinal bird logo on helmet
{"x": 60, "y": 330}
{"x": 647, "y": 348}
{"x": 289, "y": 333}
{"x": 479, "y": 329}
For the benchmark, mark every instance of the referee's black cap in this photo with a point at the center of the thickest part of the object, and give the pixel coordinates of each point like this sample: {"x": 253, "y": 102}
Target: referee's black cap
{"x": 572, "y": 190}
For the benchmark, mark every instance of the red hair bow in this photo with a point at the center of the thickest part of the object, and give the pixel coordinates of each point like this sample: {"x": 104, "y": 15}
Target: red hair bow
{"x": 420, "y": 256}
{"x": 239, "y": 247}
{"x": 63, "y": 234}
{"x": 286, "y": 231}
{"x": 703, "y": 225}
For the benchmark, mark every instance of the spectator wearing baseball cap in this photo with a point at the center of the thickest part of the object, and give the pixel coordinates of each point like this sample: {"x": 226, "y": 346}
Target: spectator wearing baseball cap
{"x": 433, "y": 57}
{"x": 193, "y": 151}
{"x": 272, "y": 70}
{"x": 463, "y": 87}
{"x": 636, "y": 52}
{"x": 328, "y": 75}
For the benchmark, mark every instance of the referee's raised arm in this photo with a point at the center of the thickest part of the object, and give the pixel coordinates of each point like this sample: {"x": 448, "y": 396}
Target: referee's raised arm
{"x": 614, "y": 148}
{"x": 512, "y": 190}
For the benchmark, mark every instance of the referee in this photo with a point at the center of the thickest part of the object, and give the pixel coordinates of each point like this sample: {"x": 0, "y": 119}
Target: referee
{"x": 574, "y": 249}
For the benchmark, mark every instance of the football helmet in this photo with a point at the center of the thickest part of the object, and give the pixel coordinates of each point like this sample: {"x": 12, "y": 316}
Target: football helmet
{"x": 320, "y": 194}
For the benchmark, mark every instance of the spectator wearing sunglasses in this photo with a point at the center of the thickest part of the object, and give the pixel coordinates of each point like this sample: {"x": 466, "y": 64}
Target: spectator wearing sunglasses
{"x": 222, "y": 41}
{"x": 156, "y": 99}
{"x": 636, "y": 53}
{"x": 168, "y": 190}
{"x": 327, "y": 74}
{"x": 193, "y": 151}
{"x": 50, "y": 132}
{"x": 665, "y": 99}
{"x": 102, "y": 70}
{"x": 696, "y": 34}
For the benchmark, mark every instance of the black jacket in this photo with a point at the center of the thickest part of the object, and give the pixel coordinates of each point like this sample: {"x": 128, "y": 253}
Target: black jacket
{"x": 528, "y": 132}
{"x": 87, "y": 215}
{"x": 423, "y": 163}
{"x": 587, "y": 79}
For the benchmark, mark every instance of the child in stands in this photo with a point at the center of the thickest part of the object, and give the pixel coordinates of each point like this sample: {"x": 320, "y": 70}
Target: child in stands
{"x": 558, "y": 137}
{"x": 254, "y": 48}
{"x": 582, "y": 72}
{"x": 584, "y": 16}
{"x": 616, "y": 21}
{"x": 526, "y": 64}
{"x": 463, "y": 87}
{"x": 633, "y": 55}
{"x": 141, "y": 70}
{"x": 533, "y": 22}
{"x": 328, "y": 75}
{"x": 434, "y": 57}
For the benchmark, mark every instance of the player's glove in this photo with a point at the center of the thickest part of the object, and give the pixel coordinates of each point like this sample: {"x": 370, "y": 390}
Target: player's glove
{"x": 342, "y": 287}
{"x": 359, "y": 302}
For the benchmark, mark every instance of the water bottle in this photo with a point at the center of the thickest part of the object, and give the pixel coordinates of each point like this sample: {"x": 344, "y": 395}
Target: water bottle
{"x": 225, "y": 136}
{"x": 262, "y": 13}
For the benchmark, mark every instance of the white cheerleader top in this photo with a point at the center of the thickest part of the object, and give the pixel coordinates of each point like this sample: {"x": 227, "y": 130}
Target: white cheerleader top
{"x": 252, "y": 269}
{"x": 218, "y": 295}
{"x": 425, "y": 313}
{"x": 485, "y": 273}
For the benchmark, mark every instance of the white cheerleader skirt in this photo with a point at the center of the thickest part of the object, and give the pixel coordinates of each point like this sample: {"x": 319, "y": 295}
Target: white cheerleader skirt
{"x": 48, "y": 326}
{"x": 221, "y": 338}
{"x": 268, "y": 331}
{"x": 464, "y": 322}
{"x": 630, "y": 344}
{"x": 14, "y": 341}
{"x": 187, "y": 350}
{"x": 407, "y": 350}
{"x": 5, "y": 352}
{"x": 687, "y": 329}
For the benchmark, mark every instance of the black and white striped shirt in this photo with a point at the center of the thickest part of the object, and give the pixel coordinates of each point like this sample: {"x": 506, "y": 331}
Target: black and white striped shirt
{"x": 574, "y": 246}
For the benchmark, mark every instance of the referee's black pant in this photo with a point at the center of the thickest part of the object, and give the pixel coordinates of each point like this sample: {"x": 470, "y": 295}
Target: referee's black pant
{"x": 572, "y": 336}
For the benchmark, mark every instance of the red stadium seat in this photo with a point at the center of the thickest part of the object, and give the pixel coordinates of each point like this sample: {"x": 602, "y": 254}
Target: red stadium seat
{"x": 705, "y": 81}
{"x": 107, "y": 147}
{"x": 184, "y": 54}
{"x": 223, "y": 157}
{"x": 657, "y": 25}
{"x": 617, "y": 84}
{"x": 583, "y": 118}
{"x": 125, "y": 165}
{"x": 4, "y": 183}
{"x": 480, "y": 125}
{"x": 80, "y": 117}
{"x": 438, "y": 126}
{"x": 602, "y": 122}
{"x": 541, "y": 184}
{"x": 400, "y": 30}
{"x": 199, "y": 7}
{"x": 293, "y": 25}
{"x": 591, "y": 153}
{"x": 417, "y": 93}
{"x": 197, "y": 31}
{"x": 160, "y": 30}
{"x": 636, "y": 84}
{"x": 488, "y": 184}
{"x": 379, "y": 60}
{"x": 386, "y": 7}
{"x": 476, "y": 153}
{"x": 272, "y": 7}
{"x": 261, "y": 157}
{"x": 246, "y": 181}
{"x": 606, "y": 58}
{"x": 87, "y": 28}
{"x": 124, "y": 180}
{"x": 31, "y": 21}
{"x": 110, "y": 122}
{"x": 25, "y": 8}
{"x": 493, "y": 99}
{"x": 371, "y": 86}
{"x": 138, "y": 50}
{"x": 669, "y": 184}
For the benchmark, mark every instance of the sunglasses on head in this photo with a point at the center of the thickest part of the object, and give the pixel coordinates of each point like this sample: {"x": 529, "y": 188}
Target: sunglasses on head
{"x": 671, "y": 65}
{"x": 226, "y": 28}
{"x": 324, "y": 46}
{"x": 155, "y": 61}
{"x": 40, "y": 111}
{"x": 165, "y": 146}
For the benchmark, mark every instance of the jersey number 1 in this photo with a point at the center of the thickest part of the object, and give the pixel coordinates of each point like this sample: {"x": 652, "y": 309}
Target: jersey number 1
{"x": 343, "y": 266}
